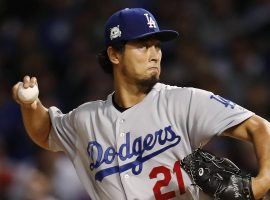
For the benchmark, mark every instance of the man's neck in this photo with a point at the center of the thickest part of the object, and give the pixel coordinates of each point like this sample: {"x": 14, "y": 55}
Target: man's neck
{"x": 127, "y": 95}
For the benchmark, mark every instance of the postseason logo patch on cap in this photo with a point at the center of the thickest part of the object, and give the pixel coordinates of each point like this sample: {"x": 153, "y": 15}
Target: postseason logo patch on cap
{"x": 115, "y": 32}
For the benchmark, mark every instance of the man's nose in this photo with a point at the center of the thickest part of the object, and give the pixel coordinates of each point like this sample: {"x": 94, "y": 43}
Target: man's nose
{"x": 154, "y": 53}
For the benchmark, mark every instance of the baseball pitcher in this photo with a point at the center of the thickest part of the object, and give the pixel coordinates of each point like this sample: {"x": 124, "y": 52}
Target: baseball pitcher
{"x": 143, "y": 142}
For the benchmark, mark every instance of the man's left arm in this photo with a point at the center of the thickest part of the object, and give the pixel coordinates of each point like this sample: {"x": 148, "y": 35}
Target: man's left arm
{"x": 256, "y": 130}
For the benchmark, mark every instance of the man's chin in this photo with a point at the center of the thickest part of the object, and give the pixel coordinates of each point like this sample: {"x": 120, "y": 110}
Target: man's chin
{"x": 146, "y": 85}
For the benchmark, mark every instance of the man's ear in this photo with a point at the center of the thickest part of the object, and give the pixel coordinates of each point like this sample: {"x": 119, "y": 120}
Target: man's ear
{"x": 113, "y": 55}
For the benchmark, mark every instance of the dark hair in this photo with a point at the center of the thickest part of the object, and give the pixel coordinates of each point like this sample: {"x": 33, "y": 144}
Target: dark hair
{"x": 103, "y": 58}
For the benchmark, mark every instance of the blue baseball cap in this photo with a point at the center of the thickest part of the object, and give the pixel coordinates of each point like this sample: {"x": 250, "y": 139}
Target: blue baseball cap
{"x": 134, "y": 23}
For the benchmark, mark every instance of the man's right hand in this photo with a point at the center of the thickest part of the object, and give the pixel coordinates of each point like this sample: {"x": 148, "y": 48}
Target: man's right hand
{"x": 27, "y": 82}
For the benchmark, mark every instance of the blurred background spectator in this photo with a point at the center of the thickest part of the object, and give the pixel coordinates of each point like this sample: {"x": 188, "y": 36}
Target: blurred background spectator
{"x": 223, "y": 47}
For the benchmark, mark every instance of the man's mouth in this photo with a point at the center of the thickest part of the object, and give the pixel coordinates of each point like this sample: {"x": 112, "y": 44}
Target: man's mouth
{"x": 153, "y": 68}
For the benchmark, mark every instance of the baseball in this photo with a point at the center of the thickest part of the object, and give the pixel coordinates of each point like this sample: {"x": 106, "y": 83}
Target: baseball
{"x": 27, "y": 95}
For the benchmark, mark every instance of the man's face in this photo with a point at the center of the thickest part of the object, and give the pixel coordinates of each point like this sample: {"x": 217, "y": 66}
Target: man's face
{"x": 140, "y": 61}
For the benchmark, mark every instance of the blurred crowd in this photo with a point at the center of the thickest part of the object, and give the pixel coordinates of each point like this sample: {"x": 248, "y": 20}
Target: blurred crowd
{"x": 223, "y": 47}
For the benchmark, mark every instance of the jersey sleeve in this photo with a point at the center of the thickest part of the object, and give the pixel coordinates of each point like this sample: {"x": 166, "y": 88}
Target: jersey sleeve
{"x": 210, "y": 115}
{"x": 62, "y": 135}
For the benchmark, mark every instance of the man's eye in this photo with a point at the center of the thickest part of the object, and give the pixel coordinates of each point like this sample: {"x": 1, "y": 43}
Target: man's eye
{"x": 143, "y": 46}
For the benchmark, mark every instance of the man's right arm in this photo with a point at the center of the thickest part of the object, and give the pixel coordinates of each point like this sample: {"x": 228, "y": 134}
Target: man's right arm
{"x": 36, "y": 117}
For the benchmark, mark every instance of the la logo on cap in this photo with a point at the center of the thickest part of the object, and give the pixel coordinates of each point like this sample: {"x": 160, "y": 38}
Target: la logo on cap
{"x": 151, "y": 23}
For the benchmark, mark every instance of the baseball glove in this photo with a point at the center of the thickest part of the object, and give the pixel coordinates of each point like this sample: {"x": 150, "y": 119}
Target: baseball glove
{"x": 218, "y": 177}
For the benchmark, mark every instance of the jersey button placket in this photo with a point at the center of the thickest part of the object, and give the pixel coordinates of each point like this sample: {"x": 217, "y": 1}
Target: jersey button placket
{"x": 121, "y": 122}
{"x": 120, "y": 136}
{"x": 121, "y": 140}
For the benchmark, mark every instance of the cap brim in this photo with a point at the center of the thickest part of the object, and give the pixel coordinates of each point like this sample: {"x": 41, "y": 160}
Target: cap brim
{"x": 163, "y": 35}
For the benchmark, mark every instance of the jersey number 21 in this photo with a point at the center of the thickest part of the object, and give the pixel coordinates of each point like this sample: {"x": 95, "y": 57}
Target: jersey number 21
{"x": 165, "y": 182}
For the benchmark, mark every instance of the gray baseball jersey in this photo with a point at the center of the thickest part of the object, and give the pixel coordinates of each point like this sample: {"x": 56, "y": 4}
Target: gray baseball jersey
{"x": 136, "y": 154}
